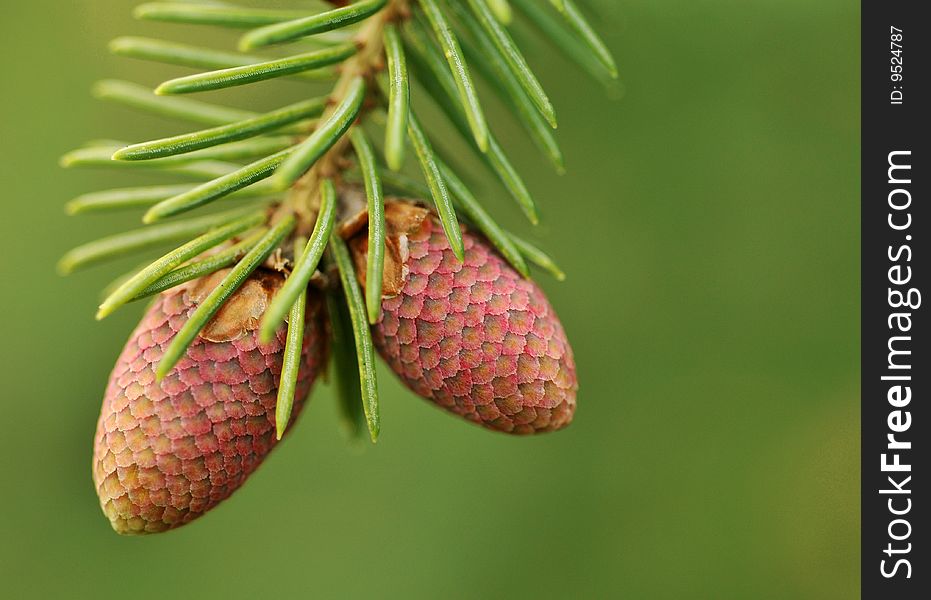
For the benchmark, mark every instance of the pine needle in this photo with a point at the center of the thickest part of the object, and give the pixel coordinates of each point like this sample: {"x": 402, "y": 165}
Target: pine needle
{"x": 323, "y": 138}
{"x": 310, "y": 25}
{"x": 398, "y": 99}
{"x": 365, "y": 349}
{"x": 291, "y": 363}
{"x": 375, "y": 260}
{"x": 224, "y": 134}
{"x": 236, "y": 76}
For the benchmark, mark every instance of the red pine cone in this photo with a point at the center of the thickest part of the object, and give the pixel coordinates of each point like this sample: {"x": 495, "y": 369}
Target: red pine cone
{"x": 474, "y": 337}
{"x": 167, "y": 452}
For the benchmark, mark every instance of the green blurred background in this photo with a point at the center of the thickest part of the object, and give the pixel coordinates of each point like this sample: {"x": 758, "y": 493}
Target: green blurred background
{"x": 709, "y": 226}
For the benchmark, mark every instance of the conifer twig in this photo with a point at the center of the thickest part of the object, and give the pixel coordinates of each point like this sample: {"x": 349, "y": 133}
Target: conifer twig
{"x": 299, "y": 166}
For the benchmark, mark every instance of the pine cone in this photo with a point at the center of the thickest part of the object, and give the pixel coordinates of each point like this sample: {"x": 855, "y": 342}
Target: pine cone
{"x": 474, "y": 337}
{"x": 167, "y": 452}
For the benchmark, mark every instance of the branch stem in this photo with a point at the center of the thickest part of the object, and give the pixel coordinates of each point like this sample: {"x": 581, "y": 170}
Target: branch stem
{"x": 303, "y": 199}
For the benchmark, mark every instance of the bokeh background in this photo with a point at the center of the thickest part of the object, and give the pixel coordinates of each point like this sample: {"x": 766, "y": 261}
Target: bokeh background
{"x": 709, "y": 226}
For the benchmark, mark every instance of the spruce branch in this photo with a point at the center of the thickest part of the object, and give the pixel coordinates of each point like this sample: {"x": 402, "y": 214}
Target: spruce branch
{"x": 298, "y": 168}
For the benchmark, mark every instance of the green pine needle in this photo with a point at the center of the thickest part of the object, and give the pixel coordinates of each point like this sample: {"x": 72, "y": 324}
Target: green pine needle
{"x": 236, "y": 76}
{"x": 212, "y": 303}
{"x": 291, "y": 364}
{"x": 185, "y": 55}
{"x": 539, "y": 258}
{"x": 102, "y": 157}
{"x": 224, "y": 134}
{"x": 128, "y": 242}
{"x": 496, "y": 70}
{"x": 375, "y": 261}
{"x": 502, "y": 10}
{"x": 319, "y": 23}
{"x": 150, "y": 274}
{"x": 143, "y": 197}
{"x": 365, "y": 349}
{"x": 438, "y": 190}
{"x": 468, "y": 96}
{"x": 568, "y": 43}
{"x": 197, "y": 269}
{"x": 514, "y": 59}
{"x": 323, "y": 138}
{"x": 217, "y": 188}
{"x": 306, "y": 264}
{"x": 243, "y": 149}
{"x": 96, "y": 156}
{"x": 223, "y": 15}
{"x": 438, "y": 83}
{"x": 586, "y": 33}
{"x": 398, "y": 99}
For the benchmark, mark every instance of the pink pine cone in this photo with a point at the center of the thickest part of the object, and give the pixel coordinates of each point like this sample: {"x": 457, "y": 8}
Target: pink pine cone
{"x": 167, "y": 452}
{"x": 476, "y": 338}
